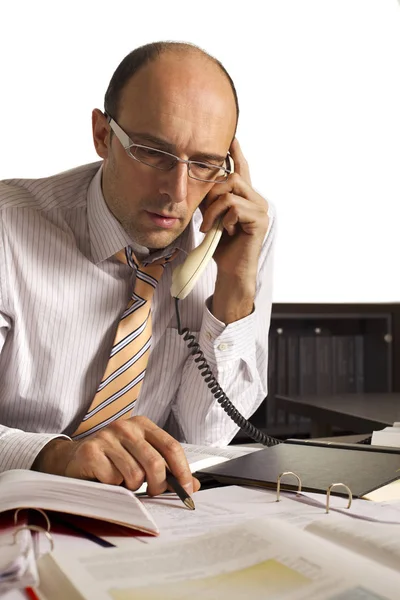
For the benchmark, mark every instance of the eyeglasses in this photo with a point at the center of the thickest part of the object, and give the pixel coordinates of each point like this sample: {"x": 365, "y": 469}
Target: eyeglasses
{"x": 165, "y": 161}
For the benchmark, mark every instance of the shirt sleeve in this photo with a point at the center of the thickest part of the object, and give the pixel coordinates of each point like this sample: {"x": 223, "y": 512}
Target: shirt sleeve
{"x": 18, "y": 449}
{"x": 237, "y": 355}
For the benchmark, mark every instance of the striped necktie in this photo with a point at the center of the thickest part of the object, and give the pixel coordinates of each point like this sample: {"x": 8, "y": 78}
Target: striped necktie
{"x": 126, "y": 368}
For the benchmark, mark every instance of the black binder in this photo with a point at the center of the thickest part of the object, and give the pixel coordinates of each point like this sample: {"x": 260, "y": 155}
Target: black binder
{"x": 362, "y": 468}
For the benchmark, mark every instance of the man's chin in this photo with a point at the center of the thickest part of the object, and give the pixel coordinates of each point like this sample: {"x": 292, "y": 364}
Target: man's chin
{"x": 156, "y": 240}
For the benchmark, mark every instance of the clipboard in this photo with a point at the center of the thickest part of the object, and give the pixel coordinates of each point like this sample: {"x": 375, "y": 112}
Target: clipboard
{"x": 318, "y": 467}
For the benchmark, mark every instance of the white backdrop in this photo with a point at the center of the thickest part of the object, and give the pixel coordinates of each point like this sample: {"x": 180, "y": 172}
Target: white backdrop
{"x": 319, "y": 89}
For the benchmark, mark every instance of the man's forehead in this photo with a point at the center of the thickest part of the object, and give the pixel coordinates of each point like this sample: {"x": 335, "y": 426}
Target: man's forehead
{"x": 182, "y": 83}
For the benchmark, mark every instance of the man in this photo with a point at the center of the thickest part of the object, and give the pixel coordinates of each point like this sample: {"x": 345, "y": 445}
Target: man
{"x": 66, "y": 283}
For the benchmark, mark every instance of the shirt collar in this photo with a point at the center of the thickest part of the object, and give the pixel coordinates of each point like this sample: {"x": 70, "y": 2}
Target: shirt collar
{"x": 107, "y": 236}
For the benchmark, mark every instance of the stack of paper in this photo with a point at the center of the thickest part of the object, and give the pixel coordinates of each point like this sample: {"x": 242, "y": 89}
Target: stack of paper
{"x": 17, "y": 560}
{"x": 390, "y": 436}
{"x": 261, "y": 558}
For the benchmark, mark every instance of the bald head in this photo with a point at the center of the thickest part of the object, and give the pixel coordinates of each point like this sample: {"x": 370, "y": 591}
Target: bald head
{"x": 181, "y": 95}
{"x": 181, "y": 54}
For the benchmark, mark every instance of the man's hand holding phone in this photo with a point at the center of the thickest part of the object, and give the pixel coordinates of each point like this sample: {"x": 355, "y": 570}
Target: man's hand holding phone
{"x": 245, "y": 219}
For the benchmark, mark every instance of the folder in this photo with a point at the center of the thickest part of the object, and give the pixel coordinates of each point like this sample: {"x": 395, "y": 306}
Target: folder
{"x": 362, "y": 469}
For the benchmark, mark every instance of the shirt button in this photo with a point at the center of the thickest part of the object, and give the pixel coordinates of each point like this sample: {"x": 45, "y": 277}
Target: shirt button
{"x": 223, "y": 347}
{"x": 209, "y": 335}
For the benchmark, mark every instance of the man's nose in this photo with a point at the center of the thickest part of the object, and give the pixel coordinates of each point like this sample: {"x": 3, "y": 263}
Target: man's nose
{"x": 175, "y": 182}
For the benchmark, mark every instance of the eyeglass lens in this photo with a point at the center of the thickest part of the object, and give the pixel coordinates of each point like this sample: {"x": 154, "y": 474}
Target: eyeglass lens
{"x": 165, "y": 162}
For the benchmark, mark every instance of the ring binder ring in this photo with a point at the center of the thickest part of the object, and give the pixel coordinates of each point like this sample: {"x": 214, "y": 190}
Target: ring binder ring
{"x": 328, "y": 494}
{"x": 278, "y": 483}
{"x": 46, "y": 518}
{"x": 35, "y": 528}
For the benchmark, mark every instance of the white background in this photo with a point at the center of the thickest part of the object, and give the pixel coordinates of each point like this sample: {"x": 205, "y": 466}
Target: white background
{"x": 319, "y": 91}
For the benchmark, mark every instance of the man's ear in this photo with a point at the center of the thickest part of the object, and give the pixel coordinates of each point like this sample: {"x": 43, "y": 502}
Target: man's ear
{"x": 101, "y": 133}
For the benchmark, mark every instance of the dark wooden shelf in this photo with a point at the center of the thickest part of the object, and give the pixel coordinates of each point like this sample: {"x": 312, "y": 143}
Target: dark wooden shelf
{"x": 351, "y": 311}
{"x": 374, "y": 331}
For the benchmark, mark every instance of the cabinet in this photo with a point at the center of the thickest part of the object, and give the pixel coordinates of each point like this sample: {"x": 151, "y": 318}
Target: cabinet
{"x": 328, "y": 349}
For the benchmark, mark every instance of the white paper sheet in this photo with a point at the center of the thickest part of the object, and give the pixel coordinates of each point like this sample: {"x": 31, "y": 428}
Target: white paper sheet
{"x": 380, "y": 512}
{"x": 258, "y": 559}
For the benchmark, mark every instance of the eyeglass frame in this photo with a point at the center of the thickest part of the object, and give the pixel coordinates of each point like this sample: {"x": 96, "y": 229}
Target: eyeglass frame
{"x": 127, "y": 143}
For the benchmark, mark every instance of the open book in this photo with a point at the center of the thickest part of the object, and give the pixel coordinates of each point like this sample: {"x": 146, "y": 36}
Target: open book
{"x": 111, "y": 503}
{"x": 261, "y": 558}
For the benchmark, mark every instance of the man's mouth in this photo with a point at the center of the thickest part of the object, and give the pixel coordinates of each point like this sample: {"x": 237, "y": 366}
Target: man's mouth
{"x": 163, "y": 221}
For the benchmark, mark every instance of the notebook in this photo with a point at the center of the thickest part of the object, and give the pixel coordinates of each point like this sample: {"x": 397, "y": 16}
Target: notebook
{"x": 362, "y": 469}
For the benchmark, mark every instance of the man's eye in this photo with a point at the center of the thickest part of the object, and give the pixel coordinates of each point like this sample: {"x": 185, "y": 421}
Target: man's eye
{"x": 205, "y": 167}
{"x": 150, "y": 152}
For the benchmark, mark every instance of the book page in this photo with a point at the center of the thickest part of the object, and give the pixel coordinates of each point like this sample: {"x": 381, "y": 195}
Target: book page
{"x": 378, "y": 541}
{"x": 258, "y": 559}
{"x": 379, "y": 512}
{"x": 217, "y": 507}
{"x": 24, "y": 488}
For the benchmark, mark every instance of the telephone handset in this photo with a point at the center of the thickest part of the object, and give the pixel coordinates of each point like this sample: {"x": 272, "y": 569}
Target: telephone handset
{"x": 184, "y": 277}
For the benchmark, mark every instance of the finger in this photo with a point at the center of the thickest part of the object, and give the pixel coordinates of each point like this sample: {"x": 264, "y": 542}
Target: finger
{"x": 237, "y": 210}
{"x": 106, "y": 472}
{"x": 229, "y": 222}
{"x": 133, "y": 436}
{"x": 241, "y": 165}
{"x": 151, "y": 462}
{"x": 196, "y": 484}
{"x": 174, "y": 456}
{"x": 234, "y": 185}
{"x": 132, "y": 472}
{"x": 153, "y": 448}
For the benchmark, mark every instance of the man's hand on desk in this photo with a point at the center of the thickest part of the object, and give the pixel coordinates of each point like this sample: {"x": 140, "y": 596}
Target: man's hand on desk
{"x": 128, "y": 451}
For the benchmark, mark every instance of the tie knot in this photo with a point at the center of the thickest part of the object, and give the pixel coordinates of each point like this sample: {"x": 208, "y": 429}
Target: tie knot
{"x": 127, "y": 257}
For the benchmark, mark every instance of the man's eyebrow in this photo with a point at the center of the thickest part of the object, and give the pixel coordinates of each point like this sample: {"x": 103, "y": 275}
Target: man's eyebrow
{"x": 147, "y": 138}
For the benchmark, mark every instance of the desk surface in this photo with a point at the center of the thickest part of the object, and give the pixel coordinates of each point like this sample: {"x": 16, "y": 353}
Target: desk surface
{"x": 357, "y": 412}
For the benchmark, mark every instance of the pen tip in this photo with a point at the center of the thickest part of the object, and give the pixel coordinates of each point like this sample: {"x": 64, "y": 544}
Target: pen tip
{"x": 188, "y": 502}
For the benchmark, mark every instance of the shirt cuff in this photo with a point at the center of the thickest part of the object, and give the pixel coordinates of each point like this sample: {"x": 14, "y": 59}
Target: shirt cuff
{"x": 225, "y": 343}
{"x": 18, "y": 449}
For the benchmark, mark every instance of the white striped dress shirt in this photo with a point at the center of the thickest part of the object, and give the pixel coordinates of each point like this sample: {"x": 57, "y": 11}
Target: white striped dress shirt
{"x": 61, "y": 295}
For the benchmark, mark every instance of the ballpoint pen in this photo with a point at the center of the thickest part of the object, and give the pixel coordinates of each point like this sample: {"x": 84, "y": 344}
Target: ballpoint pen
{"x": 180, "y": 491}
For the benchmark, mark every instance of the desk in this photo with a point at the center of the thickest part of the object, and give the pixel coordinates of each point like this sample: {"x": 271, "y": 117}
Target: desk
{"x": 361, "y": 413}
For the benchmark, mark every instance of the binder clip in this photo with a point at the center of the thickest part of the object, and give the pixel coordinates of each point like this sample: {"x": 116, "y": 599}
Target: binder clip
{"x": 278, "y": 483}
{"x": 328, "y": 494}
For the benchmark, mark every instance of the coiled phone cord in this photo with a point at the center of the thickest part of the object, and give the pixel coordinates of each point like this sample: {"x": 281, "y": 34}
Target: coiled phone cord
{"x": 255, "y": 434}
